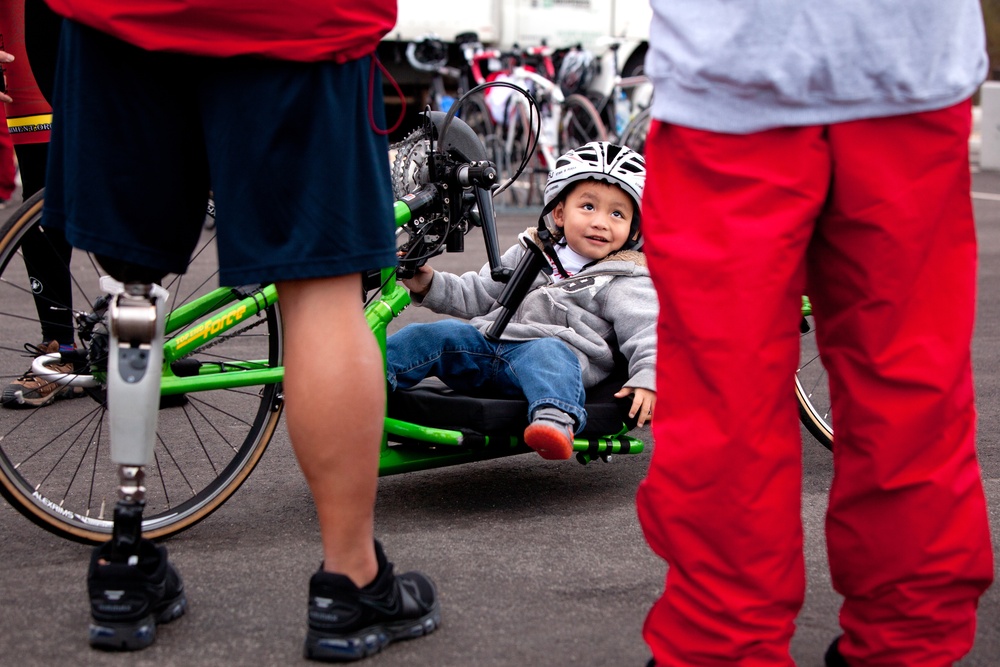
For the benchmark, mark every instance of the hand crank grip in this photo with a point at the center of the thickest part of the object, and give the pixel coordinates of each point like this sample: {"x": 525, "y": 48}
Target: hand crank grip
{"x": 513, "y": 292}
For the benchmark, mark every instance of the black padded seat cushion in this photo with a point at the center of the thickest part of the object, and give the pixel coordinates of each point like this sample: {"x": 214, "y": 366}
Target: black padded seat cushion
{"x": 432, "y": 403}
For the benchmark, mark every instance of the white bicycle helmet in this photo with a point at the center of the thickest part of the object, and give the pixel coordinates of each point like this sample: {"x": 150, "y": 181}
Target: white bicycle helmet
{"x": 600, "y": 161}
{"x": 577, "y": 71}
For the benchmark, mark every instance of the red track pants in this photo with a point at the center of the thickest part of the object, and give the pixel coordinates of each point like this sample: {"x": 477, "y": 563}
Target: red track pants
{"x": 872, "y": 219}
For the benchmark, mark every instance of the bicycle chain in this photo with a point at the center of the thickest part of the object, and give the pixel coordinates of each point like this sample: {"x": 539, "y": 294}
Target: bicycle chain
{"x": 224, "y": 337}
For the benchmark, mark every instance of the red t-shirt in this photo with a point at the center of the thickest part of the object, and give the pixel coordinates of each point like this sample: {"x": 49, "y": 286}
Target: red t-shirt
{"x": 29, "y": 116}
{"x": 300, "y": 30}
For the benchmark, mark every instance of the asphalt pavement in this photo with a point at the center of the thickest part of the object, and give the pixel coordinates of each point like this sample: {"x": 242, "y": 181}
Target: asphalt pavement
{"x": 537, "y": 562}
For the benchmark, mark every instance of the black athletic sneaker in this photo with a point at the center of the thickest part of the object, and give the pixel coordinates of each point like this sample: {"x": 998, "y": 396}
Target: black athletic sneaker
{"x": 350, "y": 623}
{"x": 127, "y": 600}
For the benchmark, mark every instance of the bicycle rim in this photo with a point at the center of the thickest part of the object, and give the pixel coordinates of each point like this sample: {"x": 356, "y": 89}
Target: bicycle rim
{"x": 517, "y": 139}
{"x": 604, "y": 105}
{"x": 54, "y": 463}
{"x": 477, "y": 115}
{"x": 634, "y": 135}
{"x": 812, "y": 387}
{"x": 579, "y": 124}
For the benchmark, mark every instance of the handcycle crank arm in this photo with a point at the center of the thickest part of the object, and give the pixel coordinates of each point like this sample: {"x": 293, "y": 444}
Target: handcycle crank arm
{"x": 484, "y": 200}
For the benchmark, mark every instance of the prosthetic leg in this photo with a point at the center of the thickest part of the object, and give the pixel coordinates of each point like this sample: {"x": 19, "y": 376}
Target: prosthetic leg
{"x": 131, "y": 584}
{"x": 137, "y": 314}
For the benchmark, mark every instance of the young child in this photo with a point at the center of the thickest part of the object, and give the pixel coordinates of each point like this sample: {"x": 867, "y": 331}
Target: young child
{"x": 595, "y": 297}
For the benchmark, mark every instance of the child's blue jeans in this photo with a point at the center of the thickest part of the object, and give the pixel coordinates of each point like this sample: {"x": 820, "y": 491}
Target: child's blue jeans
{"x": 544, "y": 371}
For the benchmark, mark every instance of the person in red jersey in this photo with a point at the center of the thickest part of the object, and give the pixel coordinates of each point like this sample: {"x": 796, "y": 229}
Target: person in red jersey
{"x": 272, "y": 106}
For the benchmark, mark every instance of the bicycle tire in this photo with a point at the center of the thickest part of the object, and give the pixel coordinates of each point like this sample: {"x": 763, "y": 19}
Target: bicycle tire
{"x": 518, "y": 136}
{"x": 54, "y": 467}
{"x": 604, "y": 104}
{"x": 476, "y": 114}
{"x": 634, "y": 134}
{"x": 579, "y": 123}
{"x": 812, "y": 389}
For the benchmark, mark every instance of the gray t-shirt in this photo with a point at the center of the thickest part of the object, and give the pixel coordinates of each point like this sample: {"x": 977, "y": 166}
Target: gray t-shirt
{"x": 741, "y": 66}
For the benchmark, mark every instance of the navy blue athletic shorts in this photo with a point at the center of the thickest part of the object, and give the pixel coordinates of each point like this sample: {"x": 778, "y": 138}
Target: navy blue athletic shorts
{"x": 300, "y": 179}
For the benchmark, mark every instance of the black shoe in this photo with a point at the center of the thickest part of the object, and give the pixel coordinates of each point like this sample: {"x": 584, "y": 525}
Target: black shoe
{"x": 832, "y": 657}
{"x": 348, "y": 623}
{"x": 127, "y": 600}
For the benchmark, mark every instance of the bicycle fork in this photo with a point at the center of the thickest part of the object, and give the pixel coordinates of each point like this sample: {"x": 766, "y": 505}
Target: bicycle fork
{"x": 135, "y": 356}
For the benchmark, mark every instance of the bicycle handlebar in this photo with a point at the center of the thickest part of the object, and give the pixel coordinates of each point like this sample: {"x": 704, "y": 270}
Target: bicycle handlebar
{"x": 517, "y": 57}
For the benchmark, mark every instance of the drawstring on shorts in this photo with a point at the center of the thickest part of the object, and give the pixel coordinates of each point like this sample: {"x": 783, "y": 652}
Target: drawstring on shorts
{"x": 371, "y": 96}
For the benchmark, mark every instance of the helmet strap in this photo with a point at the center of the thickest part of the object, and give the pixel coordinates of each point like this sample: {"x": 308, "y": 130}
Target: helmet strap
{"x": 545, "y": 236}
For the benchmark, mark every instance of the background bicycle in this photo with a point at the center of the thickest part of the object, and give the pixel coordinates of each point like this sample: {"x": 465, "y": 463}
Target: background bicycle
{"x": 620, "y": 92}
{"x": 454, "y": 69}
{"x": 534, "y": 134}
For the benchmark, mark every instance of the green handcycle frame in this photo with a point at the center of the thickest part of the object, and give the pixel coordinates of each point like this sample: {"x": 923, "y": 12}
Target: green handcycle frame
{"x": 393, "y": 299}
{"x": 69, "y": 503}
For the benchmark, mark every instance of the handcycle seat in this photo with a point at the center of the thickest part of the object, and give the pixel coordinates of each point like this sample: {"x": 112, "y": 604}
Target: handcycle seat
{"x": 432, "y": 403}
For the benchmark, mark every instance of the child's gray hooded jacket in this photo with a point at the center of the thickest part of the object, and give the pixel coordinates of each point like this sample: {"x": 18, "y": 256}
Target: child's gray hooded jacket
{"x": 610, "y": 305}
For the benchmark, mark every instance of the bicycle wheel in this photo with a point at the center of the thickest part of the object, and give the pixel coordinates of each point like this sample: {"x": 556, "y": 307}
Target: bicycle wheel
{"x": 477, "y": 115}
{"x": 579, "y": 123}
{"x": 54, "y": 464}
{"x": 604, "y": 104}
{"x": 812, "y": 389}
{"x": 518, "y": 136}
{"x": 636, "y": 131}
